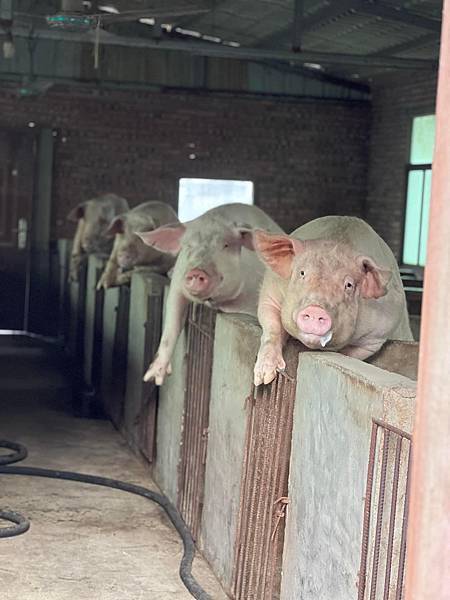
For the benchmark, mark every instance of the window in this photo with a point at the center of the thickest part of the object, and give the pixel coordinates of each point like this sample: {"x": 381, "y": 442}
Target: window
{"x": 196, "y": 196}
{"x": 418, "y": 191}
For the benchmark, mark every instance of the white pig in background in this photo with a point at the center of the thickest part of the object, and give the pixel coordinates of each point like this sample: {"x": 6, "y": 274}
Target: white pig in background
{"x": 129, "y": 250}
{"x": 216, "y": 265}
{"x": 333, "y": 284}
{"x": 93, "y": 217}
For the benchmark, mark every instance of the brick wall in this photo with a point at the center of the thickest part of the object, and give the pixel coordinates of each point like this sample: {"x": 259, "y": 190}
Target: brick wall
{"x": 305, "y": 158}
{"x": 395, "y": 104}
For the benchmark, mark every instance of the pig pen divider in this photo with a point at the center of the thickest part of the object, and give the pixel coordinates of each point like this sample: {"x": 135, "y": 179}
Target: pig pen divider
{"x": 119, "y": 357}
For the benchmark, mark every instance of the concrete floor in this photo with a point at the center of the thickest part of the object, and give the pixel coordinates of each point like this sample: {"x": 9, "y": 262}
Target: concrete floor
{"x": 85, "y": 543}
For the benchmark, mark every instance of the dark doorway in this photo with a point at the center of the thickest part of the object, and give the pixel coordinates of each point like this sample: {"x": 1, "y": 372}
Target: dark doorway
{"x": 17, "y": 170}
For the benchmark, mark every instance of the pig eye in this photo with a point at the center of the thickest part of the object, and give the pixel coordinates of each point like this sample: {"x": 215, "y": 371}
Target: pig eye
{"x": 348, "y": 285}
{"x": 302, "y": 273}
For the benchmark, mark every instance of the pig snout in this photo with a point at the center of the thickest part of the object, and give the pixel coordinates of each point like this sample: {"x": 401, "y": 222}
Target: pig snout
{"x": 314, "y": 320}
{"x": 197, "y": 281}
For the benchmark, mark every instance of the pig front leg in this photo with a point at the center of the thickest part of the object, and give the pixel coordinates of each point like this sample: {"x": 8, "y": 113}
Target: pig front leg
{"x": 270, "y": 354}
{"x": 364, "y": 351}
{"x": 176, "y": 311}
{"x": 76, "y": 255}
{"x": 109, "y": 277}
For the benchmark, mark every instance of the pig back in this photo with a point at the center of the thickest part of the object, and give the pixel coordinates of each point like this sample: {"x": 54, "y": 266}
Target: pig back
{"x": 243, "y": 215}
{"x": 150, "y": 215}
{"x": 353, "y": 231}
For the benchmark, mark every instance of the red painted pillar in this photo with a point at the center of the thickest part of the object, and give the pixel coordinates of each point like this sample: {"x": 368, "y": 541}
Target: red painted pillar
{"x": 428, "y": 558}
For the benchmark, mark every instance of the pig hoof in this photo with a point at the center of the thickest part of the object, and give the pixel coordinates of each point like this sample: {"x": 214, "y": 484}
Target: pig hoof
{"x": 269, "y": 362}
{"x": 158, "y": 371}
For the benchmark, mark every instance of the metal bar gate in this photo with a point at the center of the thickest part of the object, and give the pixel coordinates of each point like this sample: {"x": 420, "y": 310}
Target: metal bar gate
{"x": 200, "y": 347}
{"x": 264, "y": 486}
{"x": 383, "y": 552}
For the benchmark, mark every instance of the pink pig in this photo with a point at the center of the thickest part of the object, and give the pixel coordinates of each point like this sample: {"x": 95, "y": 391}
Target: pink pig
{"x": 333, "y": 284}
{"x": 216, "y": 265}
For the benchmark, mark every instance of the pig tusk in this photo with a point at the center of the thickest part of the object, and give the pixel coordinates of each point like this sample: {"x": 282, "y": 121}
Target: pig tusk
{"x": 326, "y": 338}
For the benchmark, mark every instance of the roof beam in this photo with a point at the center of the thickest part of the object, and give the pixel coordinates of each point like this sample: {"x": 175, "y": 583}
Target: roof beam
{"x": 297, "y": 26}
{"x": 409, "y": 45}
{"x": 308, "y": 22}
{"x": 241, "y": 53}
{"x": 338, "y": 8}
{"x": 6, "y": 10}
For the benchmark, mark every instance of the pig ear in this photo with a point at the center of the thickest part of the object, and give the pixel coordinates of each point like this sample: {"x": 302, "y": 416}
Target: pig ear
{"x": 117, "y": 225}
{"x": 277, "y": 251}
{"x": 375, "y": 279}
{"x": 165, "y": 239}
{"x": 77, "y": 212}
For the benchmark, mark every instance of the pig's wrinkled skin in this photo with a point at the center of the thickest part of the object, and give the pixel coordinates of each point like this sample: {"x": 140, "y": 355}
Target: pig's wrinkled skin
{"x": 129, "y": 250}
{"x": 333, "y": 284}
{"x": 216, "y": 265}
{"x": 93, "y": 218}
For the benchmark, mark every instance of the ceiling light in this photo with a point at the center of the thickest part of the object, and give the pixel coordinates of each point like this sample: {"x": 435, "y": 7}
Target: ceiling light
{"x": 211, "y": 38}
{"x": 190, "y": 32}
{"x": 315, "y": 66}
{"x": 109, "y": 9}
{"x": 147, "y": 21}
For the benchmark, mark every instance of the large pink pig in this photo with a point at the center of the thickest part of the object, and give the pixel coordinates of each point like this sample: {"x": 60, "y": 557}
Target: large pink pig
{"x": 216, "y": 265}
{"x": 129, "y": 250}
{"x": 93, "y": 217}
{"x": 333, "y": 284}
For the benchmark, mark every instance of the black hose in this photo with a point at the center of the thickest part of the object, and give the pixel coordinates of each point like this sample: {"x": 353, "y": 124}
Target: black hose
{"x": 22, "y": 524}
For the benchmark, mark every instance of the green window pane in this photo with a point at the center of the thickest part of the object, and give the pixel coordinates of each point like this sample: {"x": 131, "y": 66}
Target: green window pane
{"x": 422, "y": 140}
{"x": 413, "y": 217}
{"x": 425, "y": 218}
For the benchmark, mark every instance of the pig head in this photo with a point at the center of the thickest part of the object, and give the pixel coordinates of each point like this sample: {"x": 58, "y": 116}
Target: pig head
{"x": 208, "y": 266}
{"x": 327, "y": 294}
{"x": 129, "y": 250}
{"x": 96, "y": 215}
{"x": 216, "y": 265}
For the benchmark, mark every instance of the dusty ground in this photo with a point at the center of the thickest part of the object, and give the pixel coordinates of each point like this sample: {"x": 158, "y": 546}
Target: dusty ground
{"x": 85, "y": 543}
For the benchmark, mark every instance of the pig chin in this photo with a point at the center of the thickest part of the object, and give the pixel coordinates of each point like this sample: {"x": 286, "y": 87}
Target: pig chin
{"x": 316, "y": 342}
{"x": 125, "y": 262}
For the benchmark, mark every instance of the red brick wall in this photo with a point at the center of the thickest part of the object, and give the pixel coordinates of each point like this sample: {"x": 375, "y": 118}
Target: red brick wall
{"x": 395, "y": 104}
{"x": 306, "y": 158}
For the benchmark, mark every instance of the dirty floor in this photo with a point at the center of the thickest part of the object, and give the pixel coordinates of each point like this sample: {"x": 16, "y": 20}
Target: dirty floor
{"x": 85, "y": 543}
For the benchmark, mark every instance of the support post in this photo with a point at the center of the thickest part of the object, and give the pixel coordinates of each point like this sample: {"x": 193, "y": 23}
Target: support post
{"x": 428, "y": 557}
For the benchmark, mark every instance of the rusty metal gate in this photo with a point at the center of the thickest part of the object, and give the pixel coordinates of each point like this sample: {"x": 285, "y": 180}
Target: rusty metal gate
{"x": 383, "y": 552}
{"x": 264, "y": 486}
{"x": 200, "y": 347}
{"x": 119, "y": 357}
{"x": 149, "y": 406}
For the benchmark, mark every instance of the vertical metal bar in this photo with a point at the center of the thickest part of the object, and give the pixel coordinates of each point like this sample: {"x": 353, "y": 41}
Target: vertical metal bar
{"x": 367, "y": 512}
{"x": 402, "y": 557}
{"x": 379, "y": 524}
{"x": 297, "y": 25}
{"x": 390, "y": 544}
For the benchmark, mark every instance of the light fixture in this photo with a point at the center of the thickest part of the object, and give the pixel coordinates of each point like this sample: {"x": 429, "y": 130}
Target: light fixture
{"x": 314, "y": 66}
{"x": 112, "y": 10}
{"x": 147, "y": 20}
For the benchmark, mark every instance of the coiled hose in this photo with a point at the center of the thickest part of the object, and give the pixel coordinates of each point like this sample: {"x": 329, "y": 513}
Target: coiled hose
{"x": 21, "y": 524}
